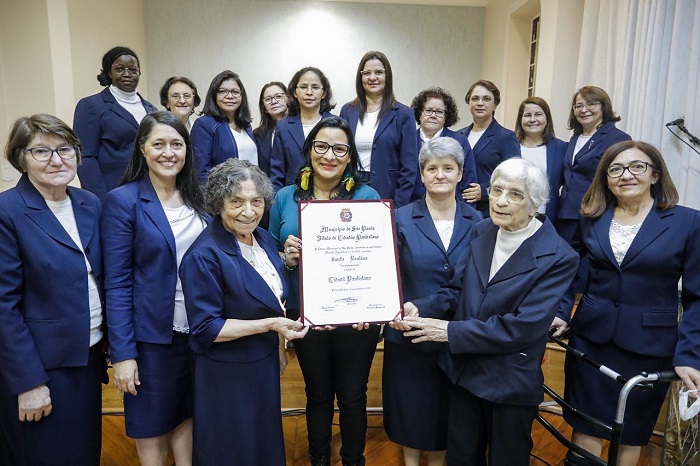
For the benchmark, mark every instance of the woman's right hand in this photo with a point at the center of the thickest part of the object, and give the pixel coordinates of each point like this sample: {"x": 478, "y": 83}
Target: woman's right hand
{"x": 560, "y": 326}
{"x": 292, "y": 247}
{"x": 290, "y": 329}
{"x": 126, "y": 376}
{"x": 34, "y": 404}
{"x": 472, "y": 193}
{"x": 409, "y": 310}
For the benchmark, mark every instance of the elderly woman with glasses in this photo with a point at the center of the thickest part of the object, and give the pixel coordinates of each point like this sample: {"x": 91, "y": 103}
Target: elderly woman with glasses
{"x": 311, "y": 101}
{"x": 51, "y": 314}
{"x": 593, "y": 121}
{"x": 334, "y": 363}
{"x": 504, "y": 296}
{"x": 639, "y": 244}
{"x": 106, "y": 123}
{"x": 224, "y": 131}
{"x": 435, "y": 110}
{"x": 179, "y": 95}
{"x": 235, "y": 286}
{"x": 384, "y": 131}
{"x": 432, "y": 234}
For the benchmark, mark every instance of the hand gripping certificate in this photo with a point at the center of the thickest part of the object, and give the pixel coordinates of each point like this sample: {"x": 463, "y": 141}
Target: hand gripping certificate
{"x": 349, "y": 270}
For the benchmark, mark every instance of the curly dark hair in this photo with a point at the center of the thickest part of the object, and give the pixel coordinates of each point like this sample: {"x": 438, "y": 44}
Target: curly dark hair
{"x": 451, "y": 112}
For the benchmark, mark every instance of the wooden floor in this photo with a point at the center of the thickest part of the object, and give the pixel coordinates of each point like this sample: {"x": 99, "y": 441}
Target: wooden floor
{"x": 118, "y": 450}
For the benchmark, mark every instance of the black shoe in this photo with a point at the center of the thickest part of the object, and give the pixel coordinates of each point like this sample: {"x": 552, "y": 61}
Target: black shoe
{"x": 321, "y": 461}
{"x": 360, "y": 462}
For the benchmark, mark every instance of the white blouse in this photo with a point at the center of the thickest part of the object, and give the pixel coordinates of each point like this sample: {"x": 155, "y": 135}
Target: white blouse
{"x": 621, "y": 237}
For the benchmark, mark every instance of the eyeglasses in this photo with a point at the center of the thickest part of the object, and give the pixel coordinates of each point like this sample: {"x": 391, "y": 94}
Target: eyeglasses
{"x": 43, "y": 154}
{"x": 589, "y": 105}
{"x": 223, "y": 93}
{"x": 120, "y": 70}
{"x": 369, "y": 73}
{"x": 339, "y": 150}
{"x": 314, "y": 88}
{"x": 635, "y": 168}
{"x": 277, "y": 97}
{"x": 487, "y": 99}
{"x": 177, "y": 97}
{"x": 429, "y": 111}
{"x": 495, "y": 193}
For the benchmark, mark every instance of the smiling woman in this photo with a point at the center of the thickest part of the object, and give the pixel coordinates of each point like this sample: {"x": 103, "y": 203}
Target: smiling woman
{"x": 51, "y": 313}
{"x": 224, "y": 130}
{"x": 179, "y": 95}
{"x": 106, "y": 123}
{"x": 334, "y": 363}
{"x": 148, "y": 224}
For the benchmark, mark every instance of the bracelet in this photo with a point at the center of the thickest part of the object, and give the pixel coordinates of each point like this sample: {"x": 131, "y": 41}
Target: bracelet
{"x": 284, "y": 261}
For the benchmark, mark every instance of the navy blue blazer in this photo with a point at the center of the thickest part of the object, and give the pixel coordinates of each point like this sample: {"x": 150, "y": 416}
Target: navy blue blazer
{"x": 499, "y": 330}
{"x": 264, "y": 152}
{"x": 44, "y": 309}
{"x": 555, "y": 160}
{"x": 106, "y": 131}
{"x": 219, "y": 284}
{"x": 635, "y": 304}
{"x": 287, "y": 157}
{"x": 469, "y": 171}
{"x": 140, "y": 268}
{"x": 213, "y": 143}
{"x": 577, "y": 177}
{"x": 394, "y": 152}
{"x": 494, "y": 146}
{"x": 424, "y": 263}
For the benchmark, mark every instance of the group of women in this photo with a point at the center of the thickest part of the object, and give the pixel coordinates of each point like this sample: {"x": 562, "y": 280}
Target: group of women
{"x": 200, "y": 299}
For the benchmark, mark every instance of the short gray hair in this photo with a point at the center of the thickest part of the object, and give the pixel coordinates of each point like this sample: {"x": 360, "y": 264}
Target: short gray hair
{"x": 521, "y": 170}
{"x": 440, "y": 148}
{"x": 225, "y": 181}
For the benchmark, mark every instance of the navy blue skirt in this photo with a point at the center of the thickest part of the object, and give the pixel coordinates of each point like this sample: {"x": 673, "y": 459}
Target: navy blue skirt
{"x": 237, "y": 412}
{"x": 72, "y": 433}
{"x": 164, "y": 398}
{"x": 415, "y": 398}
{"x": 596, "y": 394}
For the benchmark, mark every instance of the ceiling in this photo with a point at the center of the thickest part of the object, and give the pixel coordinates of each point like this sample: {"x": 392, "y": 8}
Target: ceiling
{"x": 423, "y": 2}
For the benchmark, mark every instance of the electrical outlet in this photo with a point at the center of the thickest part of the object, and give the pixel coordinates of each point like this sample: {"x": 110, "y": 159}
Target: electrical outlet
{"x": 8, "y": 173}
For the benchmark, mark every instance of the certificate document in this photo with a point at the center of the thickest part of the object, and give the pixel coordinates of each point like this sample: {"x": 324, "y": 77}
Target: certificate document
{"x": 349, "y": 270}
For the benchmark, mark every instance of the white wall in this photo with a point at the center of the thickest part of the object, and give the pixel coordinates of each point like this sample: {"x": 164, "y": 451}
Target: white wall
{"x": 50, "y": 55}
{"x": 268, "y": 40}
{"x": 505, "y": 54}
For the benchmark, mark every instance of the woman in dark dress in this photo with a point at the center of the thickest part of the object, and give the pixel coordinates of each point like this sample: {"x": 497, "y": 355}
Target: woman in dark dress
{"x": 235, "y": 285}
{"x": 432, "y": 234}
{"x": 638, "y": 244}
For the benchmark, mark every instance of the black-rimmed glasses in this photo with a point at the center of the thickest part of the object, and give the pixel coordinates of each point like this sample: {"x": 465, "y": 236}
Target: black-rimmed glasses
{"x": 43, "y": 154}
{"x": 635, "y": 168}
{"x": 339, "y": 150}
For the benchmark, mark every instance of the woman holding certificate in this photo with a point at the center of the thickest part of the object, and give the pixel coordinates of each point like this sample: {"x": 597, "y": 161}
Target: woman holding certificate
{"x": 501, "y": 302}
{"x": 432, "y": 234}
{"x": 334, "y": 363}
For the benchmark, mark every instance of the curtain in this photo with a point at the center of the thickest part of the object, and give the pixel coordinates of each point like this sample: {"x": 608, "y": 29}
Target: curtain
{"x": 646, "y": 55}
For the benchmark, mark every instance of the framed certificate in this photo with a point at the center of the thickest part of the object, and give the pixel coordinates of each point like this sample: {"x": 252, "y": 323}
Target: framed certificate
{"x": 349, "y": 268}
